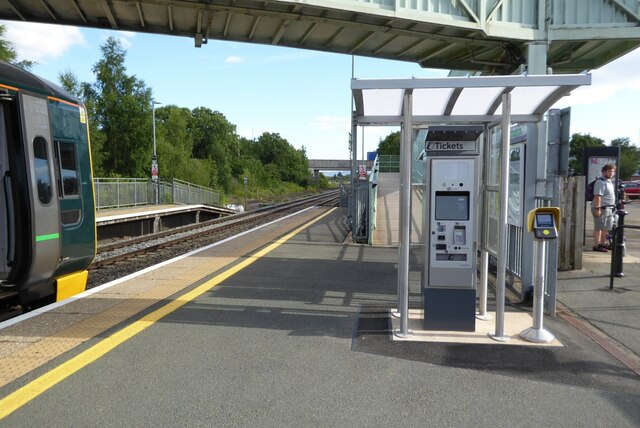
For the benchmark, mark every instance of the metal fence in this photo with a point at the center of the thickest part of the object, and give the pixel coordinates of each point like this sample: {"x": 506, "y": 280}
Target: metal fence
{"x": 129, "y": 192}
{"x": 188, "y": 193}
{"x": 389, "y": 163}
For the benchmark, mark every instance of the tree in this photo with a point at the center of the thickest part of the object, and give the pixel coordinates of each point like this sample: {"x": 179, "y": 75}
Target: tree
{"x": 123, "y": 114}
{"x": 629, "y": 158}
{"x": 215, "y": 138}
{"x": 390, "y": 145}
{"x": 8, "y": 52}
{"x": 86, "y": 95}
{"x": 291, "y": 164}
{"x": 578, "y": 143}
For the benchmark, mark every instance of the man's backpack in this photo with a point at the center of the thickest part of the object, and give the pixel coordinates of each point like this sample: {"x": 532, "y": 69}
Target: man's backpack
{"x": 589, "y": 190}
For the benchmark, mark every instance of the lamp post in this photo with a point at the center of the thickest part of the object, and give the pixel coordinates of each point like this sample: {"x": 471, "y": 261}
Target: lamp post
{"x": 154, "y": 159}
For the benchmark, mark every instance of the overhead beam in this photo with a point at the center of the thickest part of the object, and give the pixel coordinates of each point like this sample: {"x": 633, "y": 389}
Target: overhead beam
{"x": 385, "y": 44}
{"x": 412, "y": 46}
{"x": 333, "y": 37}
{"x": 77, "y": 8}
{"x": 362, "y": 42}
{"x": 308, "y": 33}
{"x": 140, "y": 15}
{"x": 280, "y": 33}
{"x": 469, "y": 11}
{"x": 227, "y": 24}
{"x": 107, "y": 10}
{"x": 322, "y": 19}
{"x": 16, "y": 10}
{"x": 49, "y": 11}
{"x": 254, "y": 27}
{"x": 632, "y": 14}
{"x": 494, "y": 10}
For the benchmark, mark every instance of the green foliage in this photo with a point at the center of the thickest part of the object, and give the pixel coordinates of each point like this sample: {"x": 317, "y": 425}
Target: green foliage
{"x": 629, "y": 158}
{"x": 629, "y": 154}
{"x": 9, "y": 54}
{"x": 390, "y": 145}
{"x": 122, "y": 113}
{"x": 578, "y": 143}
{"x": 323, "y": 182}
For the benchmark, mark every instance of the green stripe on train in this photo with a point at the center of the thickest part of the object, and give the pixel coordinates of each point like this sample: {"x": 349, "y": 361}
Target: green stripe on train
{"x": 47, "y": 237}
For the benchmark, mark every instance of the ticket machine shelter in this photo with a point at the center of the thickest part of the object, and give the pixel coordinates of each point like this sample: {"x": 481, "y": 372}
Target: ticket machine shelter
{"x": 496, "y": 102}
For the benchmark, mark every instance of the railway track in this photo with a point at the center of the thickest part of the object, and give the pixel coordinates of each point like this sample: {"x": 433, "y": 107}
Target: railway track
{"x": 119, "y": 258}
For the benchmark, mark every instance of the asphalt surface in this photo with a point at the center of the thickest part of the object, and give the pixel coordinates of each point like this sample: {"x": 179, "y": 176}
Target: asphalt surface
{"x": 301, "y": 338}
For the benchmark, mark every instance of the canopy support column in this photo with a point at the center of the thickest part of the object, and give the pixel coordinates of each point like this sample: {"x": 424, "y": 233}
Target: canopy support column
{"x": 405, "y": 212}
{"x": 502, "y": 223}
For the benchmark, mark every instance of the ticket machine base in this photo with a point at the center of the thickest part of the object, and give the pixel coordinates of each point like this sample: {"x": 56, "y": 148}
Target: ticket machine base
{"x": 449, "y": 309}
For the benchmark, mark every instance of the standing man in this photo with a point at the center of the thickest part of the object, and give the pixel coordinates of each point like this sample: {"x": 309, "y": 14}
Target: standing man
{"x": 603, "y": 206}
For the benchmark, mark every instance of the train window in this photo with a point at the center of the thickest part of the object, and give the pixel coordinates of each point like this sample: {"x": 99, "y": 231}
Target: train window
{"x": 41, "y": 165}
{"x": 68, "y": 168}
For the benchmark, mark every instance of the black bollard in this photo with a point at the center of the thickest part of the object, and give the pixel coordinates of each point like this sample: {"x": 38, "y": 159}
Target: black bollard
{"x": 619, "y": 245}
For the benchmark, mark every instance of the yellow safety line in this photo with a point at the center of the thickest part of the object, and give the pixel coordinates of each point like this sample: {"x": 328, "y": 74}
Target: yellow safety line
{"x": 22, "y": 396}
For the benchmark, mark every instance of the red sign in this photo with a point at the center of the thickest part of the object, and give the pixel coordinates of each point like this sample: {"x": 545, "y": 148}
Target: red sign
{"x": 362, "y": 172}
{"x": 154, "y": 170}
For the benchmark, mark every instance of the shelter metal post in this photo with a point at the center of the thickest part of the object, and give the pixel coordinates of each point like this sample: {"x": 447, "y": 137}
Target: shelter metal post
{"x": 354, "y": 176}
{"x": 404, "y": 226}
{"x": 502, "y": 224}
{"x": 484, "y": 276}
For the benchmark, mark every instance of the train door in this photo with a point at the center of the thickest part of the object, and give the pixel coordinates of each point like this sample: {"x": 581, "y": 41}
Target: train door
{"x": 6, "y": 205}
{"x": 45, "y": 213}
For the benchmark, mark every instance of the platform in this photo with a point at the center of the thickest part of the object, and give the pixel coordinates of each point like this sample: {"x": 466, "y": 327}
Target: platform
{"x": 388, "y": 211}
{"x": 288, "y": 325}
{"x": 146, "y": 219}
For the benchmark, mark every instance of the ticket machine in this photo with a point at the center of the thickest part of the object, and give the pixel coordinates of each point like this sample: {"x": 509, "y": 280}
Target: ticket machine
{"x": 451, "y": 225}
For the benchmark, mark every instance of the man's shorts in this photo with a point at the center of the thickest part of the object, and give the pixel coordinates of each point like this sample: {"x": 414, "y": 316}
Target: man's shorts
{"x": 605, "y": 221}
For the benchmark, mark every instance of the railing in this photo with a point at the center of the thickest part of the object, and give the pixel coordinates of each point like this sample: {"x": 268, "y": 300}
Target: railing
{"x": 389, "y": 163}
{"x": 373, "y": 199}
{"x": 129, "y": 192}
{"x": 187, "y": 193}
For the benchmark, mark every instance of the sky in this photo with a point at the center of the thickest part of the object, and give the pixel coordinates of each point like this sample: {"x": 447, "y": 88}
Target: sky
{"x": 302, "y": 95}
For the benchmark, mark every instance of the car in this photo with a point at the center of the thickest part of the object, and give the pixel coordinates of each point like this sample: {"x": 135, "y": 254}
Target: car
{"x": 632, "y": 189}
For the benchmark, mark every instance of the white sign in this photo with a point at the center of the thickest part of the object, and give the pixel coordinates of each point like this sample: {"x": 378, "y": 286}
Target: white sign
{"x": 451, "y": 146}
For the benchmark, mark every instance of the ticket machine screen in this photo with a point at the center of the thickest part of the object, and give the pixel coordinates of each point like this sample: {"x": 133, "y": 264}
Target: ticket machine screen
{"x": 452, "y": 206}
{"x": 544, "y": 220}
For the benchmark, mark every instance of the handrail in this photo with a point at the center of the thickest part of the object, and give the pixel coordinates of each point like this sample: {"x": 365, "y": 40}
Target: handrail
{"x": 373, "y": 199}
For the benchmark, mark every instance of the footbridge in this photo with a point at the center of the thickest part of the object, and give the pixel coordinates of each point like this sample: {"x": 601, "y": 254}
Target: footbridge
{"x": 488, "y": 36}
{"x": 317, "y": 165}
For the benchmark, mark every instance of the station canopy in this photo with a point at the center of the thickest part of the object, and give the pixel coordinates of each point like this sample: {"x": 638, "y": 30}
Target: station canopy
{"x": 476, "y": 99}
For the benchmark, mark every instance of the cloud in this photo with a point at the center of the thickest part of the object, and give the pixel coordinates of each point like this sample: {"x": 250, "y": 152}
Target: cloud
{"x": 609, "y": 80}
{"x": 331, "y": 123}
{"x": 41, "y": 42}
{"x": 234, "y": 60}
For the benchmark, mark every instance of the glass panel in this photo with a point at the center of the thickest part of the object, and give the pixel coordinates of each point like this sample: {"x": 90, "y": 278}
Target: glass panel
{"x": 41, "y": 166}
{"x": 492, "y": 219}
{"x": 526, "y": 99}
{"x": 493, "y": 156}
{"x": 382, "y": 102}
{"x": 430, "y": 102}
{"x": 476, "y": 100}
{"x": 68, "y": 168}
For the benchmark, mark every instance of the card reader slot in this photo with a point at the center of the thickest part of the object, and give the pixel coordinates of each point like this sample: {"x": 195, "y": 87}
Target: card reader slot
{"x": 451, "y": 257}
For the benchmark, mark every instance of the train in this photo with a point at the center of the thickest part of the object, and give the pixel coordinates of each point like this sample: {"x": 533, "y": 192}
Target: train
{"x": 47, "y": 213}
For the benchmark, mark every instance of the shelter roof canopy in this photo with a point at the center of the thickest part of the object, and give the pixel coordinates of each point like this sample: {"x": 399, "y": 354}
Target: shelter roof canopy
{"x": 460, "y": 99}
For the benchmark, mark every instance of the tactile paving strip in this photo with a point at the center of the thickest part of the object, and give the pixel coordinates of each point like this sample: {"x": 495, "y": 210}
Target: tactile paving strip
{"x": 36, "y": 341}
